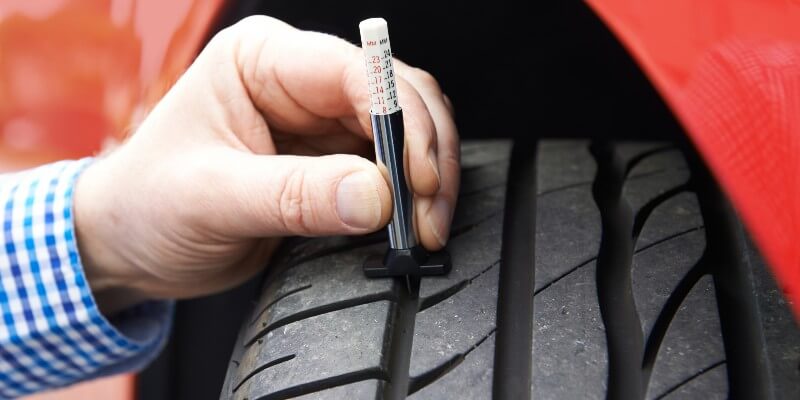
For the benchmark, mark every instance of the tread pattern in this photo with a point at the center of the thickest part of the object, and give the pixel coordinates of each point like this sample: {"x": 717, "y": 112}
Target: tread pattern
{"x": 626, "y": 296}
{"x": 634, "y": 272}
{"x": 319, "y": 282}
{"x": 568, "y": 336}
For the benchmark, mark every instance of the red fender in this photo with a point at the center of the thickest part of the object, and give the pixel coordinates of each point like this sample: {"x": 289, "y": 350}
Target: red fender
{"x": 730, "y": 71}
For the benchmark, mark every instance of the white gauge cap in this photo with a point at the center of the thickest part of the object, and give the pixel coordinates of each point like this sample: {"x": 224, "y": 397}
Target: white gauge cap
{"x": 373, "y": 29}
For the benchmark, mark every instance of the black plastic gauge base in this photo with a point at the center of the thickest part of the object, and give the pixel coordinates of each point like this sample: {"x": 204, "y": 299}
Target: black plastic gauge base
{"x": 414, "y": 262}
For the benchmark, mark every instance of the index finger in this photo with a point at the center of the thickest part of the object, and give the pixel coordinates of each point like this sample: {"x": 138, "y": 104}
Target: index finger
{"x": 302, "y": 82}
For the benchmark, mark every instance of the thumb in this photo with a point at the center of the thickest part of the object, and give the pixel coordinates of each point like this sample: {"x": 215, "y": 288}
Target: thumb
{"x": 280, "y": 195}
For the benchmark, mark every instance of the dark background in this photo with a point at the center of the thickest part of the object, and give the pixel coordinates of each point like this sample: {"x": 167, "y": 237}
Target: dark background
{"x": 512, "y": 69}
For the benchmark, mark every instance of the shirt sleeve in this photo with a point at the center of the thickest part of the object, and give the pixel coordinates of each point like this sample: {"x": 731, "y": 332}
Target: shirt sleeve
{"x": 52, "y": 333}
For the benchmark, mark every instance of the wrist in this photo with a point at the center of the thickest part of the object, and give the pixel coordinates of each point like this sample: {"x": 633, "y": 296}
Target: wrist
{"x": 111, "y": 284}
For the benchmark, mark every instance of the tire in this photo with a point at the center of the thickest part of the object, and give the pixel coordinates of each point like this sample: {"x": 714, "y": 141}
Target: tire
{"x": 620, "y": 272}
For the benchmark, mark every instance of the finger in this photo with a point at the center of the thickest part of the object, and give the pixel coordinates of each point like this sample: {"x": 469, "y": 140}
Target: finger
{"x": 293, "y": 195}
{"x": 297, "y": 78}
{"x": 420, "y": 137}
{"x": 434, "y": 213}
{"x": 301, "y": 81}
{"x": 449, "y": 104}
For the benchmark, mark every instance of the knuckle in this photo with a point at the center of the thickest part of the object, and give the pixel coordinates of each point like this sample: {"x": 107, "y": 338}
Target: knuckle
{"x": 254, "y": 23}
{"x": 451, "y": 160}
{"x": 232, "y": 33}
{"x": 426, "y": 79}
{"x": 294, "y": 205}
{"x": 246, "y": 29}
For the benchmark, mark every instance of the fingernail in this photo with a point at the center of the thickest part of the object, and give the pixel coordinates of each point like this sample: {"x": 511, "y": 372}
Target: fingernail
{"x": 434, "y": 165}
{"x": 439, "y": 220}
{"x": 358, "y": 202}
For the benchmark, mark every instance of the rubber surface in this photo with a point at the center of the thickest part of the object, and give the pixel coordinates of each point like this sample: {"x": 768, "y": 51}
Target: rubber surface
{"x": 599, "y": 270}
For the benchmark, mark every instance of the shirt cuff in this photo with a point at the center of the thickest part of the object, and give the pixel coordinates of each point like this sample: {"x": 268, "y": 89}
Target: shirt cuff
{"x": 52, "y": 333}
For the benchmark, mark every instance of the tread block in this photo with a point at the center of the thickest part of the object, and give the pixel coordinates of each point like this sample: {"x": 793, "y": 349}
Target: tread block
{"x": 476, "y": 209}
{"x": 570, "y": 359}
{"x": 470, "y": 380}
{"x": 474, "y": 180}
{"x": 567, "y": 219}
{"x": 781, "y": 330}
{"x": 306, "y": 249}
{"x": 322, "y": 330}
{"x": 658, "y": 270}
{"x": 484, "y": 170}
{"x": 563, "y": 163}
{"x": 468, "y": 259}
{"x": 326, "y": 346}
{"x": 364, "y": 390}
{"x": 639, "y": 192}
{"x": 675, "y": 216}
{"x": 669, "y": 159}
{"x": 692, "y": 343}
{"x": 455, "y": 325}
{"x": 478, "y": 153}
{"x": 567, "y": 232}
{"x": 327, "y": 280}
{"x": 704, "y": 386}
{"x": 649, "y": 157}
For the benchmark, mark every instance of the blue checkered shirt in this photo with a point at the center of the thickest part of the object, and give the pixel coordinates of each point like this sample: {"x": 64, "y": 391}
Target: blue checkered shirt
{"x": 52, "y": 333}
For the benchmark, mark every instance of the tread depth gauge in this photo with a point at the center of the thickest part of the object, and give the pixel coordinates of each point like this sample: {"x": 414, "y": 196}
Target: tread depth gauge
{"x": 405, "y": 257}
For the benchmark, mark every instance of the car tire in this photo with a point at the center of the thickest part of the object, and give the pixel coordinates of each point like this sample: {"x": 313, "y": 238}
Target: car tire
{"x": 580, "y": 270}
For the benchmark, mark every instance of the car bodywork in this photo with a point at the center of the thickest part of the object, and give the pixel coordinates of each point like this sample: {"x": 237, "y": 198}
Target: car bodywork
{"x": 730, "y": 71}
{"x": 77, "y": 76}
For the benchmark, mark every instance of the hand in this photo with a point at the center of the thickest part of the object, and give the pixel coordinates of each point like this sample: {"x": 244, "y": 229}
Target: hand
{"x": 263, "y": 136}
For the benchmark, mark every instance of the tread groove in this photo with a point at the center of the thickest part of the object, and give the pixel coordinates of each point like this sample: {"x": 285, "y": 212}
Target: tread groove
{"x": 378, "y": 237}
{"x": 443, "y": 295}
{"x": 431, "y": 376}
{"x": 473, "y": 168}
{"x": 401, "y": 340}
{"x": 647, "y": 209}
{"x": 316, "y": 311}
{"x": 273, "y": 302}
{"x": 564, "y": 275}
{"x": 699, "y": 318}
{"x": 670, "y": 237}
{"x": 565, "y": 187}
{"x": 637, "y": 251}
{"x": 481, "y": 190}
{"x": 466, "y": 228}
{"x": 629, "y": 178}
{"x": 260, "y": 368}
{"x": 514, "y": 327}
{"x": 614, "y": 286}
{"x": 356, "y": 243}
{"x": 327, "y": 383}
{"x": 667, "y": 314}
{"x": 742, "y": 331}
{"x": 689, "y": 379}
{"x": 633, "y": 162}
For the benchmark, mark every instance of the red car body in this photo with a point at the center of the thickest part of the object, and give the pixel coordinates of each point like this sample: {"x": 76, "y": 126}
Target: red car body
{"x": 730, "y": 71}
{"x": 78, "y": 75}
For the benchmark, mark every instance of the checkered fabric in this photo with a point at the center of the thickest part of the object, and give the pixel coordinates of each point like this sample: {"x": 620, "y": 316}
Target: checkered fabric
{"x": 52, "y": 333}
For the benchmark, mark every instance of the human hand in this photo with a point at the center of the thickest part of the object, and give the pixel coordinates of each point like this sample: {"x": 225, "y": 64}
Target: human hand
{"x": 262, "y": 137}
